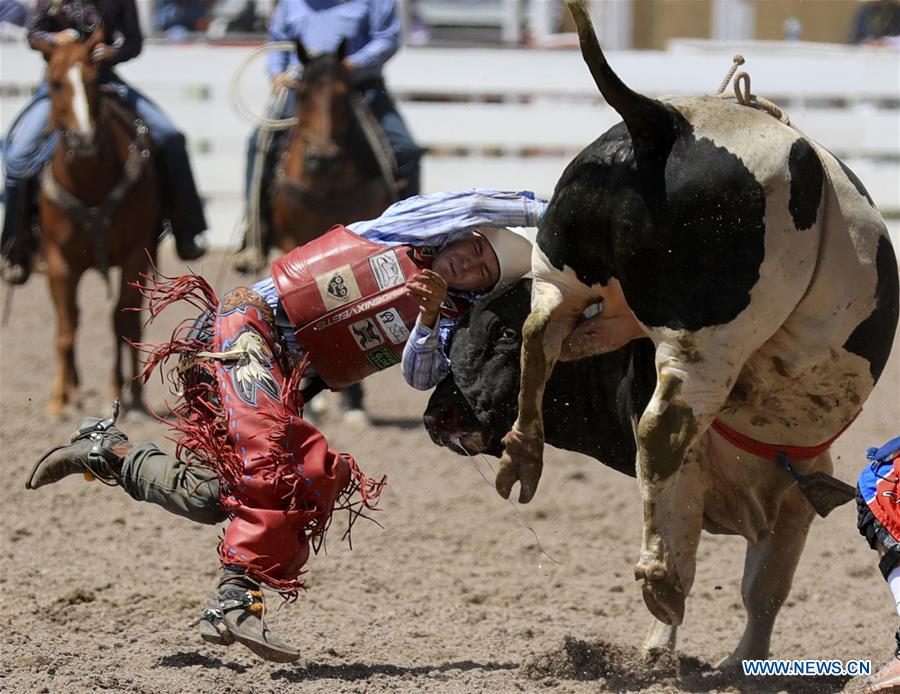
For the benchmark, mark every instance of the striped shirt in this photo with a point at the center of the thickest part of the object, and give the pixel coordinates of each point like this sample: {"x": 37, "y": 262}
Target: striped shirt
{"x": 425, "y": 362}
{"x": 433, "y": 220}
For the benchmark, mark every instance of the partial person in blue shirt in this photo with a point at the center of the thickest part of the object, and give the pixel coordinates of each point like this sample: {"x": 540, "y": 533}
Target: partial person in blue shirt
{"x": 473, "y": 250}
{"x": 372, "y": 31}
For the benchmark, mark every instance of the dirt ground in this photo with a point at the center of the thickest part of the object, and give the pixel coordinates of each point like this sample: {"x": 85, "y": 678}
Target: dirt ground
{"x": 457, "y": 592}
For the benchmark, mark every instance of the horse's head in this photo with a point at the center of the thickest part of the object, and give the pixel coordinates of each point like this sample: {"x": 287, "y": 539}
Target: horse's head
{"x": 72, "y": 78}
{"x": 324, "y": 111}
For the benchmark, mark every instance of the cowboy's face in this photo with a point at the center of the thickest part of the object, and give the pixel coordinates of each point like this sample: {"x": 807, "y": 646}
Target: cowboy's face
{"x": 468, "y": 264}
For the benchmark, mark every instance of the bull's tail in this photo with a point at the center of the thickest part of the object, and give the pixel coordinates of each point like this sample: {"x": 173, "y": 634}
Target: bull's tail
{"x": 636, "y": 109}
{"x": 647, "y": 119}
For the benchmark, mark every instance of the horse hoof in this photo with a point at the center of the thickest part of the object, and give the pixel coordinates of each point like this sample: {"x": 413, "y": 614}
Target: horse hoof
{"x": 662, "y": 592}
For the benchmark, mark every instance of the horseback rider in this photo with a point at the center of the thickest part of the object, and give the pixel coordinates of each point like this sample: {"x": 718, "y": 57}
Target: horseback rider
{"x": 371, "y": 29}
{"x": 28, "y": 148}
{"x": 253, "y": 458}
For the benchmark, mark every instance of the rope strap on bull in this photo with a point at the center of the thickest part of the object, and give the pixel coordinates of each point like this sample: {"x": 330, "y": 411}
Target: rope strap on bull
{"x": 743, "y": 95}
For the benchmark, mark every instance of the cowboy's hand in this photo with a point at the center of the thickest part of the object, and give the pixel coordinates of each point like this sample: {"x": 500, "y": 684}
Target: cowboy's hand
{"x": 103, "y": 51}
{"x": 429, "y": 290}
{"x": 65, "y": 37}
{"x": 286, "y": 79}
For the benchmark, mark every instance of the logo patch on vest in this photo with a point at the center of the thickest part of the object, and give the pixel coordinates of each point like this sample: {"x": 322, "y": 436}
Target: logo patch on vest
{"x": 366, "y": 334}
{"x": 382, "y": 358}
{"x": 338, "y": 287}
{"x": 386, "y": 270}
{"x": 393, "y": 325}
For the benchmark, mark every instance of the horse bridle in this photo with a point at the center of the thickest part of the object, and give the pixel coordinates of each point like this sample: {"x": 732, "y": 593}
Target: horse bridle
{"x": 95, "y": 220}
{"x": 379, "y": 145}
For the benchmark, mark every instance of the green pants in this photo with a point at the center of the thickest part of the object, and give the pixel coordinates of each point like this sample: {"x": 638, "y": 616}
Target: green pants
{"x": 191, "y": 491}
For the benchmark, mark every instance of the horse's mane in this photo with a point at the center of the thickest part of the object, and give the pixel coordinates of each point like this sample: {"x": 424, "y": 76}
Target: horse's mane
{"x": 322, "y": 67}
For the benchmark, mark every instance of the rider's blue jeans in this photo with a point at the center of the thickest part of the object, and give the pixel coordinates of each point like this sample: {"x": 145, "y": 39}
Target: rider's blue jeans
{"x": 29, "y": 145}
{"x": 406, "y": 151}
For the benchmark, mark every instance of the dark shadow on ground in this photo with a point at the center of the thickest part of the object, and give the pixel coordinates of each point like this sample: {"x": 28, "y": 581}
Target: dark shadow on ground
{"x": 362, "y": 671}
{"x": 192, "y": 658}
{"x": 624, "y": 668}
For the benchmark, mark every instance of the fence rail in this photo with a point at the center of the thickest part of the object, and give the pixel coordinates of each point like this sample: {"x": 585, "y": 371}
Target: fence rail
{"x": 514, "y": 118}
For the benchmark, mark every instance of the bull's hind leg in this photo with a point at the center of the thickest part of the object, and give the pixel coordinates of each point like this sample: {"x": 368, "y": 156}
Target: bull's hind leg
{"x": 660, "y": 636}
{"x": 769, "y": 571}
{"x": 691, "y": 388}
{"x": 682, "y": 537}
{"x": 63, "y": 280}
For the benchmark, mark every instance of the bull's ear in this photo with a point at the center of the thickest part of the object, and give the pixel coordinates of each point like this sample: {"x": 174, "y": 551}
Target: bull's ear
{"x": 94, "y": 39}
{"x": 342, "y": 50}
{"x": 302, "y": 55}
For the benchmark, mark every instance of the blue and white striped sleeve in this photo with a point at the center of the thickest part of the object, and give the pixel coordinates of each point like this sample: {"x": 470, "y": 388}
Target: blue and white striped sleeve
{"x": 424, "y": 363}
{"x": 437, "y": 218}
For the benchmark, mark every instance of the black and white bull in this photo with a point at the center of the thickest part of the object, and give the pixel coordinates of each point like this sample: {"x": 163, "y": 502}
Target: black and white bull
{"x": 759, "y": 267}
{"x": 592, "y": 406}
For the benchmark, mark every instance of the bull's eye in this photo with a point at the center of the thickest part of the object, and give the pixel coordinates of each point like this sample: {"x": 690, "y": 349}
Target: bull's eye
{"x": 56, "y": 84}
{"x": 508, "y": 334}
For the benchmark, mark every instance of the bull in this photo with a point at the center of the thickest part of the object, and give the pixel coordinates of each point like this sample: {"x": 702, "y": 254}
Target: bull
{"x": 759, "y": 267}
{"x": 593, "y": 406}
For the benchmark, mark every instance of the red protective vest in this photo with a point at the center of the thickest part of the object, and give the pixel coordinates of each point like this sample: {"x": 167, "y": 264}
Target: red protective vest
{"x": 345, "y": 297}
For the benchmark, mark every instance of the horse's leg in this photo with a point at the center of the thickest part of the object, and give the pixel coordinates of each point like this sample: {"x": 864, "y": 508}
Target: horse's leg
{"x": 63, "y": 280}
{"x": 127, "y": 328}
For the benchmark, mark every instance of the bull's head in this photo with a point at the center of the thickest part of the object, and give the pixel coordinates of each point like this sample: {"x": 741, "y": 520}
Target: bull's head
{"x": 475, "y": 405}
{"x": 588, "y": 406}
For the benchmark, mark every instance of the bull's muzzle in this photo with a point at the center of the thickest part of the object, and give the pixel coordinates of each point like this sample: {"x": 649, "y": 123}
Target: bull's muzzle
{"x": 456, "y": 428}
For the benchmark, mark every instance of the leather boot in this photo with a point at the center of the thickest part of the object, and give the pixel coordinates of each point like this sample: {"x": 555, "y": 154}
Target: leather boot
{"x": 17, "y": 243}
{"x": 237, "y": 613}
{"x": 96, "y": 450}
{"x": 187, "y": 247}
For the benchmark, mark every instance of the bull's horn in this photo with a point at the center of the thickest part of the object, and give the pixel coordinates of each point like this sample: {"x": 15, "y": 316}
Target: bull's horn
{"x": 640, "y": 113}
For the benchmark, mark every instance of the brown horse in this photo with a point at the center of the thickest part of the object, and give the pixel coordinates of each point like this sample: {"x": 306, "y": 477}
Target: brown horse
{"x": 335, "y": 168}
{"x": 98, "y": 208}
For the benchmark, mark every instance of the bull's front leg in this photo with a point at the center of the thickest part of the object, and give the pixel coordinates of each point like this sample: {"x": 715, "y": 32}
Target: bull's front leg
{"x": 553, "y": 315}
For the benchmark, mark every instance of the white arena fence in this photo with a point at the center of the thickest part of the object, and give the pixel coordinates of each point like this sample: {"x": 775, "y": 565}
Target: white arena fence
{"x": 513, "y": 118}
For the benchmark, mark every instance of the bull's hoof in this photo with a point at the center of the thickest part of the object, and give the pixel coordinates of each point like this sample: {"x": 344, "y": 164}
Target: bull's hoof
{"x": 522, "y": 462}
{"x": 730, "y": 664}
{"x": 662, "y": 592}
